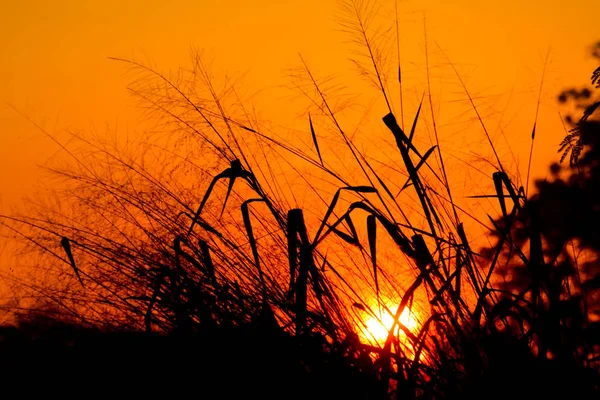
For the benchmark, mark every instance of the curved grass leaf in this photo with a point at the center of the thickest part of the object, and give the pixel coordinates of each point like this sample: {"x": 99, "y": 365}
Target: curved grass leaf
{"x": 336, "y": 196}
{"x": 232, "y": 173}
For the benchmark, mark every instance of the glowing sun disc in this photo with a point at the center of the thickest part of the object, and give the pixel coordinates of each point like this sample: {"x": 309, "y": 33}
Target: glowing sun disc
{"x": 377, "y": 328}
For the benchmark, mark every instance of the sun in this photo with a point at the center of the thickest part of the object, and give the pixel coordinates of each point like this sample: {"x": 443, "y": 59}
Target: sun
{"x": 377, "y": 327}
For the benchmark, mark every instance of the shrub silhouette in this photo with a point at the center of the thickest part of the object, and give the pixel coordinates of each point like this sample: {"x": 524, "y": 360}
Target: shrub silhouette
{"x": 559, "y": 292}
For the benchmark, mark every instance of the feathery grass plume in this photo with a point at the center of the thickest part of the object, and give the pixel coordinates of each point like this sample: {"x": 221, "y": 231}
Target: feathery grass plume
{"x": 358, "y": 19}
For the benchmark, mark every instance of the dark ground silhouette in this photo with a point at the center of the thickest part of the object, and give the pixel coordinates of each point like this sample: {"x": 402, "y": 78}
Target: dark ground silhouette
{"x": 54, "y": 358}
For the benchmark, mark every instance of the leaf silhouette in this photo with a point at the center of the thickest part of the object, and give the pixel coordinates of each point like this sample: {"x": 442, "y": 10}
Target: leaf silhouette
{"x": 596, "y": 77}
{"x": 66, "y": 244}
{"x": 336, "y": 196}
{"x": 232, "y": 173}
{"x": 419, "y": 165}
{"x": 314, "y": 138}
{"x": 372, "y": 235}
{"x": 252, "y": 239}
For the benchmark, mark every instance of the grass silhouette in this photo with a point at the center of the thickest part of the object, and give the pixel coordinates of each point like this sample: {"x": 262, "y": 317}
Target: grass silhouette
{"x": 198, "y": 269}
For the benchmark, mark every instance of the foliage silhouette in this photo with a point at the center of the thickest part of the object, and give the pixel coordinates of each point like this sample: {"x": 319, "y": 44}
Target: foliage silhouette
{"x": 559, "y": 288}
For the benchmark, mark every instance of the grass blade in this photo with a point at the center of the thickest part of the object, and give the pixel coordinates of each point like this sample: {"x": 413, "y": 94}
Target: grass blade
{"x": 252, "y": 240}
{"x": 66, "y": 244}
{"x": 419, "y": 165}
{"x": 314, "y": 138}
{"x": 207, "y": 260}
{"x": 336, "y": 196}
{"x": 372, "y": 235}
{"x": 232, "y": 173}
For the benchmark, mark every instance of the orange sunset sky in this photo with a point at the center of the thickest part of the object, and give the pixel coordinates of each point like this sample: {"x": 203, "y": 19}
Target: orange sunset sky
{"x": 55, "y": 67}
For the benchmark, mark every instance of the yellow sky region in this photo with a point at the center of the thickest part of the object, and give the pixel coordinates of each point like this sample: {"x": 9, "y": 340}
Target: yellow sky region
{"x": 55, "y": 69}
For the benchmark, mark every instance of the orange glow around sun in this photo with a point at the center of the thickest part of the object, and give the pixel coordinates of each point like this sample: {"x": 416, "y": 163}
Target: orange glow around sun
{"x": 376, "y": 327}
